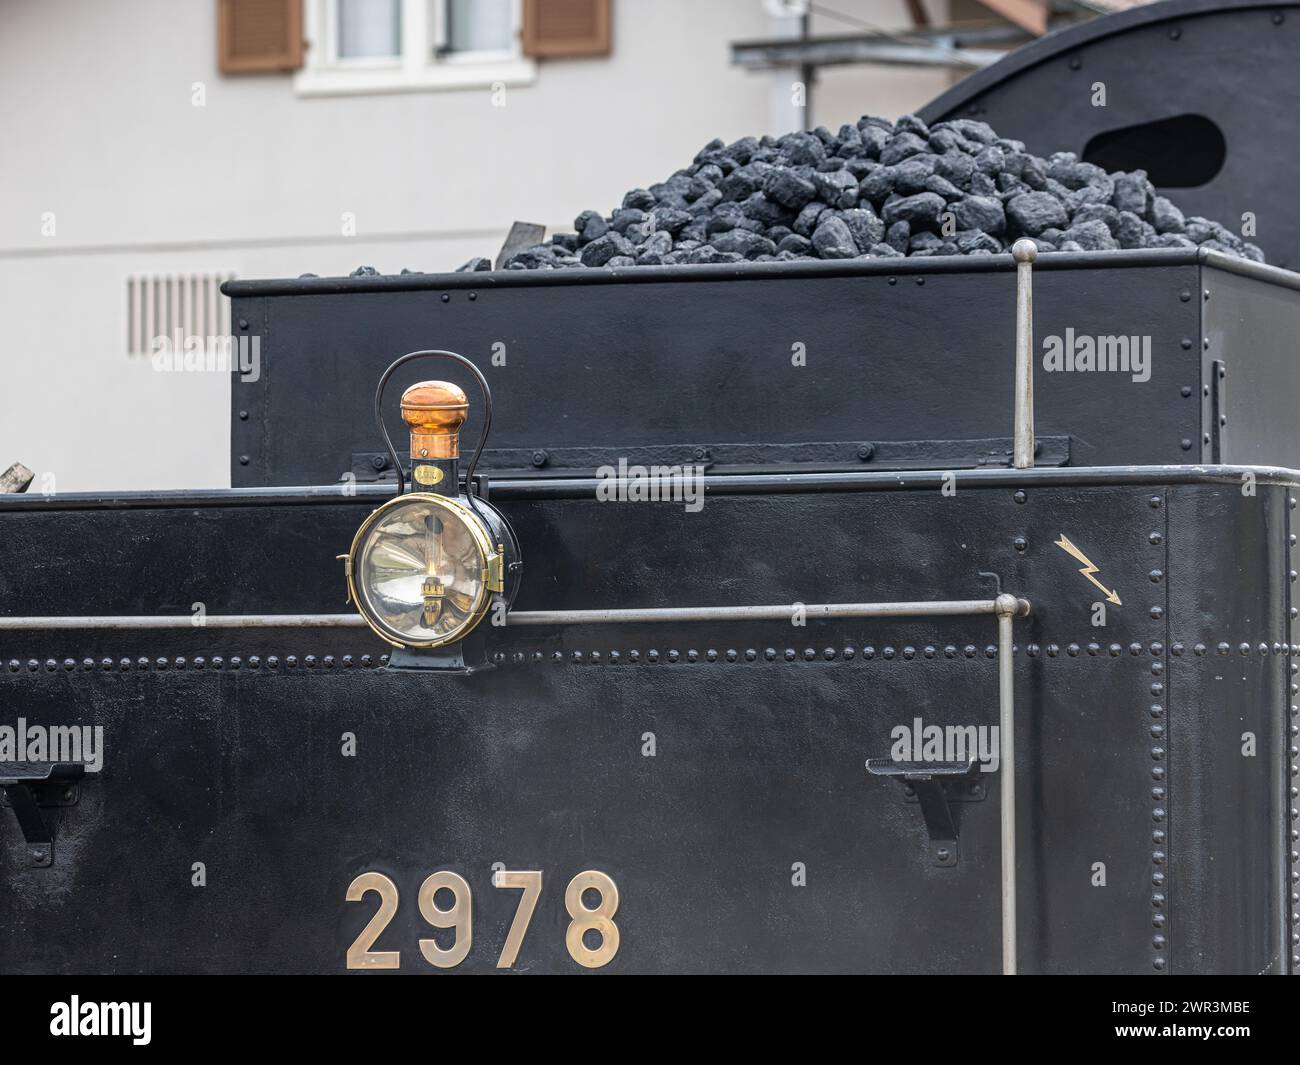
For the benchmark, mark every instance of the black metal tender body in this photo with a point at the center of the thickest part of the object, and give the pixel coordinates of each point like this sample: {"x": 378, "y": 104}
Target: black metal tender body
{"x": 276, "y": 798}
{"x": 905, "y": 365}
{"x": 715, "y": 771}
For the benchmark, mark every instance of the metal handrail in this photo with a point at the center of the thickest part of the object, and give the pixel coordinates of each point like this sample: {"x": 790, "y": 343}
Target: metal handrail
{"x": 636, "y": 616}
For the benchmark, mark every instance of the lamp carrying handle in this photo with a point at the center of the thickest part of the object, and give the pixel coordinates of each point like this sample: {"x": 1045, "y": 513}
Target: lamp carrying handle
{"x": 435, "y": 353}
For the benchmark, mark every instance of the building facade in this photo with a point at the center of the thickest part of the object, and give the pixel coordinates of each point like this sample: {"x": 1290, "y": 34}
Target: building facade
{"x": 136, "y": 175}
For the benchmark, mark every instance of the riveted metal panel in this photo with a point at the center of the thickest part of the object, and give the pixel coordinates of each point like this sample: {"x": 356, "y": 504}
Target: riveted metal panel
{"x": 1219, "y": 802}
{"x": 1250, "y": 370}
{"x": 761, "y": 734}
{"x": 686, "y": 360}
{"x": 1290, "y": 784}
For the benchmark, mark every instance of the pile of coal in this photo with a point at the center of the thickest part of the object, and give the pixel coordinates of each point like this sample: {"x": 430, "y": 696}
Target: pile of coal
{"x": 875, "y": 189}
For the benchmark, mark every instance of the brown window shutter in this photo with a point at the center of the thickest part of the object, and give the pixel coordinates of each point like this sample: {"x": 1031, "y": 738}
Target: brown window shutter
{"x": 557, "y": 28}
{"x": 254, "y": 36}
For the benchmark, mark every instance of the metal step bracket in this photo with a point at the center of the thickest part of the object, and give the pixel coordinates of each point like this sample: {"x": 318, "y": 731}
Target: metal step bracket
{"x": 31, "y": 787}
{"x": 937, "y": 787}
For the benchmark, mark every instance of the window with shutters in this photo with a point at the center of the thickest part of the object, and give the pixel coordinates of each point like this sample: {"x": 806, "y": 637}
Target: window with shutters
{"x": 356, "y": 46}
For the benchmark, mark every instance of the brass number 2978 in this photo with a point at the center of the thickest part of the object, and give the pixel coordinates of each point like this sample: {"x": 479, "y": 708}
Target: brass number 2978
{"x": 458, "y": 915}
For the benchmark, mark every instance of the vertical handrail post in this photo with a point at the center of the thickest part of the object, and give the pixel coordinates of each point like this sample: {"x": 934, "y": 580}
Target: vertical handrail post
{"x": 1024, "y": 251}
{"x": 1008, "y": 606}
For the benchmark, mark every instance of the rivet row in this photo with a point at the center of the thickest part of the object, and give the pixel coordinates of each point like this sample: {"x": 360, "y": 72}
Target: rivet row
{"x": 198, "y": 662}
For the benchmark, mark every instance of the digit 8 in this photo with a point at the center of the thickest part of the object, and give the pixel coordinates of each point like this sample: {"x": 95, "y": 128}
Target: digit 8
{"x": 600, "y": 918}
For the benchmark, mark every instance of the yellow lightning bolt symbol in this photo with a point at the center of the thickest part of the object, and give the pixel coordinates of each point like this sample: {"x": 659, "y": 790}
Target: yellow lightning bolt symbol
{"x": 1088, "y": 568}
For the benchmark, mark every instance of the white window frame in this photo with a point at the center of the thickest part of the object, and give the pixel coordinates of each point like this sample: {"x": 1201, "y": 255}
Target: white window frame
{"x": 417, "y": 69}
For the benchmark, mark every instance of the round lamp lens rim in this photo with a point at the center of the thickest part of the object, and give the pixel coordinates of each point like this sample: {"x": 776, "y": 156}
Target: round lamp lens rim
{"x": 479, "y": 535}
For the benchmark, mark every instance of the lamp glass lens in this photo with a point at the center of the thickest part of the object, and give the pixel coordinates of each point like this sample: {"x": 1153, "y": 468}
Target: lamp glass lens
{"x": 420, "y": 572}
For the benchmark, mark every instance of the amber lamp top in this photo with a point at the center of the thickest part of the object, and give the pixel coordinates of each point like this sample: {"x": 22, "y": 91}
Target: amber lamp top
{"x": 435, "y": 411}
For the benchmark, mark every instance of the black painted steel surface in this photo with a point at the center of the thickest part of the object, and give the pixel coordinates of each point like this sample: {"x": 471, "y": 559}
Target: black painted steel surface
{"x": 1130, "y": 735}
{"x": 1157, "y": 768}
{"x": 1222, "y": 70}
{"x": 786, "y": 367}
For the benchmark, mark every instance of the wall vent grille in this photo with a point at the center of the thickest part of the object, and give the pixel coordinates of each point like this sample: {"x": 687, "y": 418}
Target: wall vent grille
{"x": 158, "y": 305}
